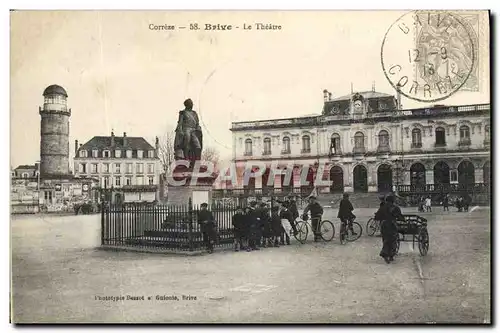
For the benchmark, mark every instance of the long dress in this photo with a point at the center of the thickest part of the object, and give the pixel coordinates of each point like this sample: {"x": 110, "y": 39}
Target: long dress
{"x": 388, "y": 214}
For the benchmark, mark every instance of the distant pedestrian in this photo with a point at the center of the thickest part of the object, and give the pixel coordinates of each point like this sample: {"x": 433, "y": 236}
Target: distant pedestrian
{"x": 446, "y": 203}
{"x": 428, "y": 204}
{"x": 207, "y": 224}
{"x": 238, "y": 222}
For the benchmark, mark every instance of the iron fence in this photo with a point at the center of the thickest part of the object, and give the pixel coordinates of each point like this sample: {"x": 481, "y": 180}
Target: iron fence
{"x": 162, "y": 227}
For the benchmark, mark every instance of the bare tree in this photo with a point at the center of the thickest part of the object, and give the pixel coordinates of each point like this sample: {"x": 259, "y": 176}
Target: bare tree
{"x": 166, "y": 149}
{"x": 211, "y": 154}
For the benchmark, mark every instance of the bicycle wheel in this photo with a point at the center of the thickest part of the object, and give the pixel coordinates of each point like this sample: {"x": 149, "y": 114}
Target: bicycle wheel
{"x": 372, "y": 226}
{"x": 327, "y": 230}
{"x": 302, "y": 231}
{"x": 354, "y": 233}
{"x": 423, "y": 242}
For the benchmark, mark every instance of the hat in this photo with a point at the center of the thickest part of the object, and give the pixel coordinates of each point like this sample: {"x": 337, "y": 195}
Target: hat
{"x": 204, "y": 204}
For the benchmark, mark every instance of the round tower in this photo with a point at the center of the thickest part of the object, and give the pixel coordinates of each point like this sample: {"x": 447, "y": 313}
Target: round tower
{"x": 54, "y": 133}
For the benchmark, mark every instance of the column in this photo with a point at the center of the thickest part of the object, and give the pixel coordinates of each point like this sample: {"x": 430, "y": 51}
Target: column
{"x": 348, "y": 186}
{"x": 372, "y": 178}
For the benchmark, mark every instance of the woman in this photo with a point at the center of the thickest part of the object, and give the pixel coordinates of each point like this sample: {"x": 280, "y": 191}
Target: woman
{"x": 388, "y": 214}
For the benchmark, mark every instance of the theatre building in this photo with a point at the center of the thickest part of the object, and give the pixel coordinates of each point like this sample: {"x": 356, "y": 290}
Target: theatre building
{"x": 370, "y": 144}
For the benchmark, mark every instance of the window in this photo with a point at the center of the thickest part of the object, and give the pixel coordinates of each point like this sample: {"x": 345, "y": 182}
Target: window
{"x": 48, "y": 196}
{"x": 440, "y": 137}
{"x": 454, "y": 176}
{"x": 286, "y": 145}
{"x": 25, "y": 175}
{"x": 106, "y": 154}
{"x": 267, "y": 146}
{"x": 139, "y": 168}
{"x": 464, "y": 133}
{"x": 129, "y": 153}
{"x": 117, "y": 181}
{"x": 106, "y": 167}
{"x": 118, "y": 153}
{"x": 416, "y": 138}
{"x": 151, "y": 180}
{"x": 383, "y": 139}
{"x": 139, "y": 153}
{"x": 151, "y": 168}
{"x": 94, "y": 168}
{"x": 95, "y": 153}
{"x": 118, "y": 168}
{"x": 128, "y": 181}
{"x": 105, "y": 181}
{"x": 129, "y": 168}
{"x": 359, "y": 140}
{"x": 83, "y": 153}
{"x": 335, "y": 144}
{"x": 151, "y": 154}
{"x": 83, "y": 168}
{"x": 248, "y": 147}
{"x": 140, "y": 180}
{"x": 306, "y": 144}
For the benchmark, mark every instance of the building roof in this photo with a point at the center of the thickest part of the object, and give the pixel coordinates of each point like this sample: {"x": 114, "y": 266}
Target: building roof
{"x": 365, "y": 94}
{"x": 26, "y": 167}
{"x": 103, "y": 142}
{"x": 55, "y": 90}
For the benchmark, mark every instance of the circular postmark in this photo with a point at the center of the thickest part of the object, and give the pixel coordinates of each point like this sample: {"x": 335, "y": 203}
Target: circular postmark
{"x": 428, "y": 55}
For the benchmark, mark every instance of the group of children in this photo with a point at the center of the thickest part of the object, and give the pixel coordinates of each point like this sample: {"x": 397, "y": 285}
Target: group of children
{"x": 259, "y": 226}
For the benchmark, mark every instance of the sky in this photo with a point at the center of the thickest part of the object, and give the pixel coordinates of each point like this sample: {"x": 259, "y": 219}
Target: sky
{"x": 122, "y": 76}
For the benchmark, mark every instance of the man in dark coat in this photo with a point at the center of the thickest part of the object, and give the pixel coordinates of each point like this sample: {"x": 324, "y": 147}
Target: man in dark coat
{"x": 292, "y": 207}
{"x": 388, "y": 214}
{"x": 285, "y": 214}
{"x": 276, "y": 226}
{"x": 253, "y": 217}
{"x": 345, "y": 212}
{"x": 265, "y": 225}
{"x": 207, "y": 224}
{"x": 316, "y": 213}
{"x": 446, "y": 203}
{"x": 238, "y": 222}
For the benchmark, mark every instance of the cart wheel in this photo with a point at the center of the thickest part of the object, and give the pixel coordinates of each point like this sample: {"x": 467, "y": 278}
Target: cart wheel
{"x": 423, "y": 242}
{"x": 371, "y": 226}
{"x": 327, "y": 230}
{"x": 355, "y": 233}
{"x": 302, "y": 231}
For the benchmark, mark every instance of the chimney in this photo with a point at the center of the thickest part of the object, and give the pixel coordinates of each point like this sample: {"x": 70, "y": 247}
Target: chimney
{"x": 373, "y": 86}
{"x": 124, "y": 139}
{"x": 325, "y": 95}
{"x": 329, "y": 96}
{"x": 157, "y": 143}
{"x": 76, "y": 146}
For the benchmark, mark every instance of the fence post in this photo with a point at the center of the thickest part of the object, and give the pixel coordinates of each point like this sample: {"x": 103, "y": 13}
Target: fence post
{"x": 190, "y": 225}
{"x": 102, "y": 223}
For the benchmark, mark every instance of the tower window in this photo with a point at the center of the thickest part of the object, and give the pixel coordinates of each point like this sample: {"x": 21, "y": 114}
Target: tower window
{"x": 118, "y": 153}
{"x": 139, "y": 153}
{"x": 151, "y": 154}
{"x": 95, "y": 153}
{"x": 106, "y": 154}
{"x": 129, "y": 153}
{"x": 83, "y": 153}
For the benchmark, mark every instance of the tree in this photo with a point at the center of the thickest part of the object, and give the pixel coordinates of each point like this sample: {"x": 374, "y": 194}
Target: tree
{"x": 211, "y": 154}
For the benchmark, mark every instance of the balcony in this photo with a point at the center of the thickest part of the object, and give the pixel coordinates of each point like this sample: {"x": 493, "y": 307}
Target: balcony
{"x": 383, "y": 149}
{"x": 416, "y": 145}
{"x": 247, "y": 153}
{"x": 359, "y": 150}
{"x": 305, "y": 151}
{"x": 440, "y": 145}
{"x": 266, "y": 153}
{"x": 464, "y": 142}
{"x": 285, "y": 152}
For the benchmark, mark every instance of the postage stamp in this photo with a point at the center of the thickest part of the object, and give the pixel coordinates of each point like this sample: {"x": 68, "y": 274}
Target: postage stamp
{"x": 430, "y": 55}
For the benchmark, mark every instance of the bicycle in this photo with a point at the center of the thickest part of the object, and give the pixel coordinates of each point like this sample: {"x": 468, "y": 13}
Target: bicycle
{"x": 326, "y": 228}
{"x": 372, "y": 226}
{"x": 347, "y": 233}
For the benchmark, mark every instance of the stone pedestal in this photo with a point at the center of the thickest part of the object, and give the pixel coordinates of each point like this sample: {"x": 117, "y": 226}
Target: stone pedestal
{"x": 199, "y": 190}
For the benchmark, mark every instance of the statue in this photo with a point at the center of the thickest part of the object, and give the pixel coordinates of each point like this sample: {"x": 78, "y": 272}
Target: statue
{"x": 188, "y": 141}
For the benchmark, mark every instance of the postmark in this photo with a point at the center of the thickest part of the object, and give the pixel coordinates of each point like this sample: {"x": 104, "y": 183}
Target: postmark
{"x": 428, "y": 55}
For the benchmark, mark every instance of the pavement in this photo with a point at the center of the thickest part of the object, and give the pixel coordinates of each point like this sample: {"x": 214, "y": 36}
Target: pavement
{"x": 59, "y": 276}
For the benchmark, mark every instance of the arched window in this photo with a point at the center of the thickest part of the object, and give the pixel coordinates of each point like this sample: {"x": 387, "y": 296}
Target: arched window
{"x": 440, "y": 137}
{"x": 267, "y": 146}
{"x": 359, "y": 140}
{"x": 464, "y": 132}
{"x": 248, "y": 147}
{"x": 306, "y": 144}
{"x": 383, "y": 139}
{"x": 335, "y": 144}
{"x": 286, "y": 145}
{"x": 416, "y": 138}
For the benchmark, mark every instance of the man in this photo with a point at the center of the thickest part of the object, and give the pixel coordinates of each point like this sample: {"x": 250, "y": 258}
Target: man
{"x": 265, "y": 225}
{"x": 206, "y": 221}
{"x": 238, "y": 222}
{"x": 388, "y": 214}
{"x": 253, "y": 217}
{"x": 286, "y": 218}
{"x": 188, "y": 136}
{"x": 446, "y": 203}
{"x": 428, "y": 204}
{"x": 345, "y": 212}
{"x": 292, "y": 207}
{"x": 316, "y": 213}
{"x": 276, "y": 227}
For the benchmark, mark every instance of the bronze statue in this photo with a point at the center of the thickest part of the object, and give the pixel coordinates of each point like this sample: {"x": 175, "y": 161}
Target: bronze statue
{"x": 188, "y": 141}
